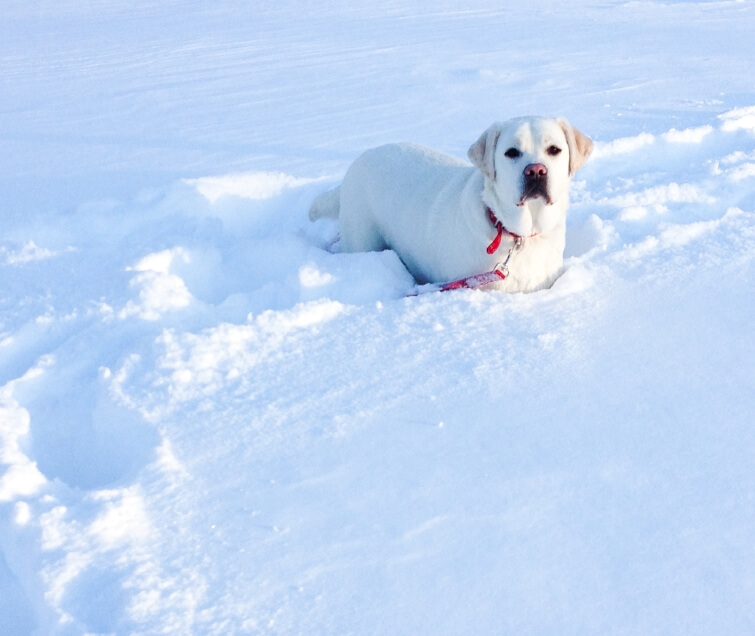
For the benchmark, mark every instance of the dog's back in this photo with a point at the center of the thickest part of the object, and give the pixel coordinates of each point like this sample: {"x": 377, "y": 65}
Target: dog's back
{"x": 395, "y": 196}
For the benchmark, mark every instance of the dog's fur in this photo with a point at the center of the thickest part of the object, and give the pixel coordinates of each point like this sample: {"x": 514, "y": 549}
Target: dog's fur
{"x": 431, "y": 209}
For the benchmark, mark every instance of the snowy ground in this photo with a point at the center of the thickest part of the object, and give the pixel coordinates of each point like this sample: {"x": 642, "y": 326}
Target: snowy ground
{"x": 211, "y": 425}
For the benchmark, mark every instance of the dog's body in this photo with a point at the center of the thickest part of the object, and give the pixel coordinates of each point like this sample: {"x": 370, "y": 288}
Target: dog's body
{"x": 443, "y": 217}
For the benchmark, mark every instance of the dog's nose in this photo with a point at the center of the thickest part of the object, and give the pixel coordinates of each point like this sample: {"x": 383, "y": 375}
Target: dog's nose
{"x": 535, "y": 170}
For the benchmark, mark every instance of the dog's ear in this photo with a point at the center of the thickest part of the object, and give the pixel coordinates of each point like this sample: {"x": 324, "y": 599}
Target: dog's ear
{"x": 580, "y": 146}
{"x": 482, "y": 152}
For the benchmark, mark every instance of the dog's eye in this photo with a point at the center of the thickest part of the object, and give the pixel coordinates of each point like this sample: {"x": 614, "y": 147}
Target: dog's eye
{"x": 554, "y": 150}
{"x": 512, "y": 153}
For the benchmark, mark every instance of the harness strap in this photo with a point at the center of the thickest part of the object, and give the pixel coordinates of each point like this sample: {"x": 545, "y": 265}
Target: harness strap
{"x": 478, "y": 280}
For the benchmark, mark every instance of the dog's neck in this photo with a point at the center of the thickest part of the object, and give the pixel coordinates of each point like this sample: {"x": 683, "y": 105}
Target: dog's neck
{"x": 488, "y": 215}
{"x": 500, "y": 232}
{"x": 491, "y": 203}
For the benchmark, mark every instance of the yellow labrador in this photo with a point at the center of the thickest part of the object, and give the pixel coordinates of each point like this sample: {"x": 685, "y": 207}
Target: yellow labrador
{"x": 448, "y": 220}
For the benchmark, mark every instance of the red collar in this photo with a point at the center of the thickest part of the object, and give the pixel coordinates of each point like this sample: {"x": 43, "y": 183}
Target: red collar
{"x": 500, "y": 231}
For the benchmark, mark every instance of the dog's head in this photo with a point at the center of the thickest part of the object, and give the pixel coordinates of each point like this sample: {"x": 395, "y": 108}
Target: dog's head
{"x": 528, "y": 164}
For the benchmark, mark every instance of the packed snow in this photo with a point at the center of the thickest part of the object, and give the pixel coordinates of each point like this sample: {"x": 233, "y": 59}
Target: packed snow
{"x": 212, "y": 422}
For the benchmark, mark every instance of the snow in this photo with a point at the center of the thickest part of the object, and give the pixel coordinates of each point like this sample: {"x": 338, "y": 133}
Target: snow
{"x": 212, "y": 424}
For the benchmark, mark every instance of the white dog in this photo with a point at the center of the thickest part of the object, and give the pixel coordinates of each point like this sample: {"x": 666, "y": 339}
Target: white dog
{"x": 447, "y": 220}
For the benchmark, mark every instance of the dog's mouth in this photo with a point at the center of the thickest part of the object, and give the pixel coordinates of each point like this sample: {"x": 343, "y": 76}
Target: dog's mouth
{"x": 535, "y": 188}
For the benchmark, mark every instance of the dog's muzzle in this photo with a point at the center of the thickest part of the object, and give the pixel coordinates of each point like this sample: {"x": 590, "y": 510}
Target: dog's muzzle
{"x": 535, "y": 183}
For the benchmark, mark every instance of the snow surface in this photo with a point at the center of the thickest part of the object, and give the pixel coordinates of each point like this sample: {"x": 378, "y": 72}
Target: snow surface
{"x": 209, "y": 424}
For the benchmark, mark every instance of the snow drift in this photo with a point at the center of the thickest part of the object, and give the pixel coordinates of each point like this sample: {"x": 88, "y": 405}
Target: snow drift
{"x": 211, "y": 424}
